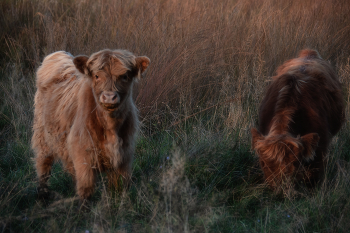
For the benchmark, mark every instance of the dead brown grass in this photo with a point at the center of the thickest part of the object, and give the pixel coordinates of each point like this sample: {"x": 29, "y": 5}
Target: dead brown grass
{"x": 202, "y": 52}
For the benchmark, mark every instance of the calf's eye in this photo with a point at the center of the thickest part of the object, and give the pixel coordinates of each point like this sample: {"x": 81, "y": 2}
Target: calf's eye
{"x": 124, "y": 78}
{"x": 96, "y": 76}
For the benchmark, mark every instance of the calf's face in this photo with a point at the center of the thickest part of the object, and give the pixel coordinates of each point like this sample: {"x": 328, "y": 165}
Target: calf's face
{"x": 112, "y": 74}
{"x": 111, "y": 87}
{"x": 280, "y": 155}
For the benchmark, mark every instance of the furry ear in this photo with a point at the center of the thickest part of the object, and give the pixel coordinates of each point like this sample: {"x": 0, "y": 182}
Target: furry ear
{"x": 310, "y": 142}
{"x": 80, "y": 63}
{"x": 256, "y": 135}
{"x": 142, "y": 63}
{"x": 309, "y": 54}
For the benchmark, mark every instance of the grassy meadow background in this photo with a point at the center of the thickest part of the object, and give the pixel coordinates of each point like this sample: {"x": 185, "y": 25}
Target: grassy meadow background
{"x": 194, "y": 170}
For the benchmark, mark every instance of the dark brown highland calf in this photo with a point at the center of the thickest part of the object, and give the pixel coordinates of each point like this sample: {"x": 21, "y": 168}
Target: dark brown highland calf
{"x": 302, "y": 110}
{"x": 85, "y": 116}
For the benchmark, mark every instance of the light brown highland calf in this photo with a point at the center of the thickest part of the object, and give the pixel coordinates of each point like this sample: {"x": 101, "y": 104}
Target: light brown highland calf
{"x": 302, "y": 110}
{"x": 85, "y": 116}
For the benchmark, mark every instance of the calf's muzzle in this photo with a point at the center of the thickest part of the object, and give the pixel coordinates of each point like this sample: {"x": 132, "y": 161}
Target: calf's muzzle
{"x": 109, "y": 99}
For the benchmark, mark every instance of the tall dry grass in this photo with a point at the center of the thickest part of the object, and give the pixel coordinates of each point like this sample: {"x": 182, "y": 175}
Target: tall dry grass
{"x": 203, "y": 52}
{"x": 210, "y": 64}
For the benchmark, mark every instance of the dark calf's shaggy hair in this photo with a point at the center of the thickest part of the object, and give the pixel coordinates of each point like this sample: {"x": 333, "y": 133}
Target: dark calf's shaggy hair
{"x": 302, "y": 110}
{"x": 85, "y": 116}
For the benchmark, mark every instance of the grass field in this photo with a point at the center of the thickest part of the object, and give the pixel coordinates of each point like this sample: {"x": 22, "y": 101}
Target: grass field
{"x": 194, "y": 170}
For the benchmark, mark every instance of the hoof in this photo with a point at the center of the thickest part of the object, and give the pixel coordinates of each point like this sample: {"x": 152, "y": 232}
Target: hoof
{"x": 43, "y": 192}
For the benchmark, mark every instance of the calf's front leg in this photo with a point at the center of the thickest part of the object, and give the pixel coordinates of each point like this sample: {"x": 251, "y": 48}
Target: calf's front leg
{"x": 85, "y": 176}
